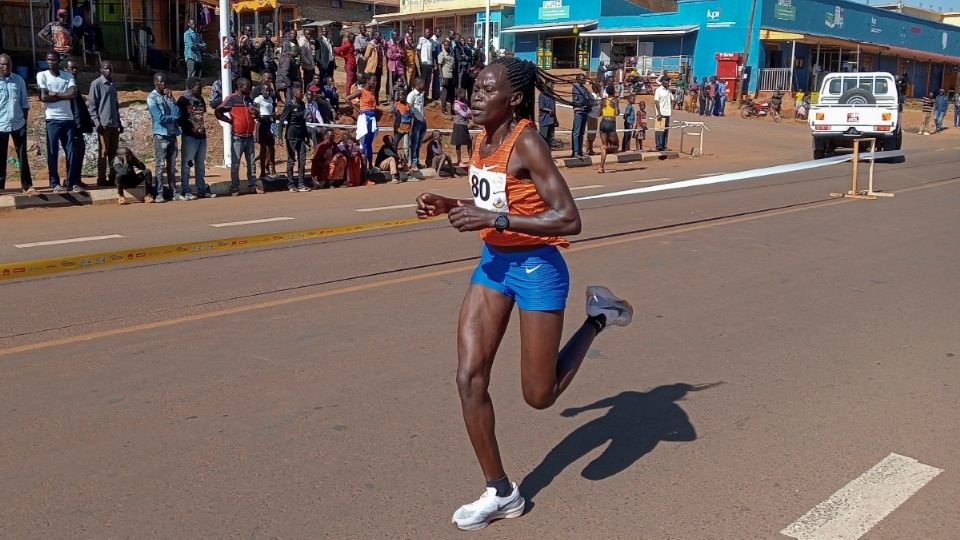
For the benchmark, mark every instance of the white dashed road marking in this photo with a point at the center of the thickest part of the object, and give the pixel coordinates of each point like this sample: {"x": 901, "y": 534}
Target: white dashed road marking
{"x": 68, "y": 241}
{"x": 250, "y": 221}
{"x": 394, "y": 207}
{"x": 853, "y": 510}
{"x": 586, "y": 187}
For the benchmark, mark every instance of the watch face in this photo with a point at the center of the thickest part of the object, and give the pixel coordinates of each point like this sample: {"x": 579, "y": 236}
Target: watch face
{"x": 501, "y": 222}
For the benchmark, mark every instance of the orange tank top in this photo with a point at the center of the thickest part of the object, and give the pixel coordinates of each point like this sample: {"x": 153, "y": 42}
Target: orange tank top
{"x": 495, "y": 189}
{"x": 368, "y": 101}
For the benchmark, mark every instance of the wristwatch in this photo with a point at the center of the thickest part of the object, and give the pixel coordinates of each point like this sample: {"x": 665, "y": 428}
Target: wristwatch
{"x": 501, "y": 223}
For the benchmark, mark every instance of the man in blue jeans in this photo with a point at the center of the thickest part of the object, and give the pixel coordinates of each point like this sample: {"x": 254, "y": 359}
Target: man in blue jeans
{"x": 940, "y": 108}
{"x": 57, "y": 91}
{"x": 419, "y": 128}
{"x": 193, "y": 144}
{"x": 164, "y": 114}
{"x": 243, "y": 116}
{"x": 581, "y": 110}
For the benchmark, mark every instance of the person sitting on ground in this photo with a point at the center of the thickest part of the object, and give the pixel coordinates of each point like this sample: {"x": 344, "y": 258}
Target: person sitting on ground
{"x": 322, "y": 161}
{"x": 438, "y": 159}
{"x": 330, "y": 92}
{"x": 347, "y": 163}
{"x": 461, "y": 119}
{"x": 389, "y": 159}
{"x": 125, "y": 166}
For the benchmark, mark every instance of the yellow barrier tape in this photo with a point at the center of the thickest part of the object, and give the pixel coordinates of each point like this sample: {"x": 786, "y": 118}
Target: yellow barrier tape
{"x": 40, "y": 267}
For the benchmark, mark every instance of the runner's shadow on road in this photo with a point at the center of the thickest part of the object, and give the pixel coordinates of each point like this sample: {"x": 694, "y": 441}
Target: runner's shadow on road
{"x": 634, "y": 424}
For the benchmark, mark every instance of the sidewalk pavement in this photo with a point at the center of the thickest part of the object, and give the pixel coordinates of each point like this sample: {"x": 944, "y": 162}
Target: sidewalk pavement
{"x": 219, "y": 181}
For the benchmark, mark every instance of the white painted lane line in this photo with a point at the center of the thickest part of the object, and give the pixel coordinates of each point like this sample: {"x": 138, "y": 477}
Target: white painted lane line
{"x": 68, "y": 241}
{"x": 735, "y": 176}
{"x": 711, "y": 174}
{"x": 853, "y": 510}
{"x": 250, "y": 221}
{"x": 394, "y": 207}
{"x": 592, "y": 186}
{"x": 664, "y": 179}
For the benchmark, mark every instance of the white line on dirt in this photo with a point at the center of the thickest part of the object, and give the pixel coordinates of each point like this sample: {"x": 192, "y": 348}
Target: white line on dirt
{"x": 592, "y": 186}
{"x": 394, "y": 207}
{"x": 742, "y": 175}
{"x": 68, "y": 241}
{"x": 853, "y": 510}
{"x": 250, "y": 222}
{"x": 711, "y": 174}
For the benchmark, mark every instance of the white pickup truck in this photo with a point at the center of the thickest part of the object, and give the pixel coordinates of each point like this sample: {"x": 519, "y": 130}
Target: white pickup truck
{"x": 854, "y": 106}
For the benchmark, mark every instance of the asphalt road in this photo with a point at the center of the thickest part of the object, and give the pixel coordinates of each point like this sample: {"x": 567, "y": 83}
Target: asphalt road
{"x": 784, "y": 343}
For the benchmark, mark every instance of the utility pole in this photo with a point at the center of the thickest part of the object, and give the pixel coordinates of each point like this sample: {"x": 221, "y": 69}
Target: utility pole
{"x": 746, "y": 47}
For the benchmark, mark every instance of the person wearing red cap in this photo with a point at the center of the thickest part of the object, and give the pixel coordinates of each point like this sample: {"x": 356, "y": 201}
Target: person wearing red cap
{"x": 57, "y": 35}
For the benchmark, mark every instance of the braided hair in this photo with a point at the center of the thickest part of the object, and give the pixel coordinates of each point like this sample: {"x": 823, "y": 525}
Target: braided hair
{"x": 527, "y": 78}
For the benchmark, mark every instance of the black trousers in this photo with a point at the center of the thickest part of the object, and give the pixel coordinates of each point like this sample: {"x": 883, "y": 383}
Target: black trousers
{"x": 20, "y": 146}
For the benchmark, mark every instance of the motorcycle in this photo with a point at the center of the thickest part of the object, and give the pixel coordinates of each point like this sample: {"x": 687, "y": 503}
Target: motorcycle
{"x": 752, "y": 109}
{"x": 639, "y": 85}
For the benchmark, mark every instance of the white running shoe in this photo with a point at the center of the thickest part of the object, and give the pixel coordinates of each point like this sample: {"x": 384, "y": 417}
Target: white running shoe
{"x": 600, "y": 300}
{"x": 489, "y": 507}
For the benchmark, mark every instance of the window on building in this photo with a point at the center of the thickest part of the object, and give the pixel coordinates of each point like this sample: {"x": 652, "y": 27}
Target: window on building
{"x": 368, "y": 7}
{"x": 466, "y": 26}
{"x": 336, "y": 3}
{"x": 445, "y": 24}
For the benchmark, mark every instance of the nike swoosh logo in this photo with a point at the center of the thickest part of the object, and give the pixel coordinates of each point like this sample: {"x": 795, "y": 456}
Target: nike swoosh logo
{"x": 534, "y": 269}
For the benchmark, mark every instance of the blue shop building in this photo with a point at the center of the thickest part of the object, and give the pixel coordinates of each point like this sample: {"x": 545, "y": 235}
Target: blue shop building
{"x": 783, "y": 43}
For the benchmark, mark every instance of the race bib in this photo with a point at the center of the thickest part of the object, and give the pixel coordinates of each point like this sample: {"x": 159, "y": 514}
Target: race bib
{"x": 489, "y": 189}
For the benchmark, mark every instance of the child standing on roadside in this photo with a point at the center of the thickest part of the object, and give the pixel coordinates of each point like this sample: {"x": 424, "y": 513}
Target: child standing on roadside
{"x": 641, "y": 131}
{"x": 461, "y": 119}
{"x": 266, "y": 103}
{"x": 629, "y": 118}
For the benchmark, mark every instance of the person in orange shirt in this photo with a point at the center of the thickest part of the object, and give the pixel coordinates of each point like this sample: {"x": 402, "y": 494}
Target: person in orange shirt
{"x": 522, "y": 208}
{"x": 368, "y": 114}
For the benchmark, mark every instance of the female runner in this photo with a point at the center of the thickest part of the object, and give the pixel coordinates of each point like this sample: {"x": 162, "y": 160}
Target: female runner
{"x": 522, "y": 207}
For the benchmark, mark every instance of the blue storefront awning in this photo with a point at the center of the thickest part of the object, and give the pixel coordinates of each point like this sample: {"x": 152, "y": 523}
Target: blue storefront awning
{"x": 550, "y": 27}
{"x": 642, "y": 31}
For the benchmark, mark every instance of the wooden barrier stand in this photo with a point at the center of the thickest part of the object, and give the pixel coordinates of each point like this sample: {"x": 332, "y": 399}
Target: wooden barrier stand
{"x": 855, "y": 191}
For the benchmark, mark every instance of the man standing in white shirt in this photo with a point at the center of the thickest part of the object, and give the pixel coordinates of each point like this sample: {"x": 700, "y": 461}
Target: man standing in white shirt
{"x": 425, "y": 52}
{"x": 419, "y": 128}
{"x": 57, "y": 91}
{"x": 663, "y": 106}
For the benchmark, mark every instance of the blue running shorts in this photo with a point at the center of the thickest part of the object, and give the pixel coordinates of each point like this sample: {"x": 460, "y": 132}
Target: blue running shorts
{"x": 537, "y": 279}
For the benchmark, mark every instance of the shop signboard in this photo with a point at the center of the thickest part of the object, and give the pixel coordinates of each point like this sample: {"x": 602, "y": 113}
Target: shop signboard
{"x": 551, "y": 10}
{"x": 785, "y": 10}
{"x": 834, "y": 19}
{"x": 875, "y": 26}
{"x": 714, "y": 19}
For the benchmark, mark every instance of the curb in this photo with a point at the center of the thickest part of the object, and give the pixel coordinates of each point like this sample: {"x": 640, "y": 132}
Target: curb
{"x": 17, "y": 201}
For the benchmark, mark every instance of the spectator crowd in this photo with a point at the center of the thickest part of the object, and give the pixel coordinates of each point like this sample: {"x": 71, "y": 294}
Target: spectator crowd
{"x": 283, "y": 92}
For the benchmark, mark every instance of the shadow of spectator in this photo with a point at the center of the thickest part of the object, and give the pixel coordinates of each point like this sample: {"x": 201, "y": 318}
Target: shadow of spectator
{"x": 634, "y": 425}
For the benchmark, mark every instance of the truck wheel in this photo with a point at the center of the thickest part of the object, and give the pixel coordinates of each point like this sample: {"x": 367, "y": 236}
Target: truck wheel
{"x": 897, "y": 140}
{"x": 818, "y": 153}
{"x": 857, "y": 96}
